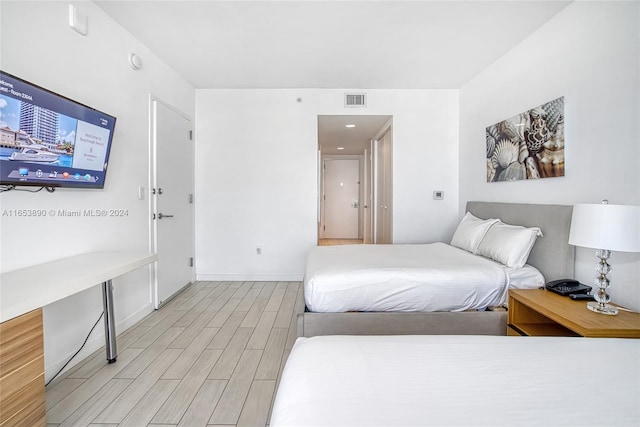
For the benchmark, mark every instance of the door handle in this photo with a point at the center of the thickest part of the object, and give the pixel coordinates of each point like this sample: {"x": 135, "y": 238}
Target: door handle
{"x": 161, "y": 215}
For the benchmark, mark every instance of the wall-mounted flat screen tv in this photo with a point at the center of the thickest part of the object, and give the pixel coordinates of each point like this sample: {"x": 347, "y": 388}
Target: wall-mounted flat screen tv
{"x": 49, "y": 140}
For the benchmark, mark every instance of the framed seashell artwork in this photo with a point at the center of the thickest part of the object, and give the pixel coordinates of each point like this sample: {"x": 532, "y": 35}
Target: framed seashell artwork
{"x": 529, "y": 145}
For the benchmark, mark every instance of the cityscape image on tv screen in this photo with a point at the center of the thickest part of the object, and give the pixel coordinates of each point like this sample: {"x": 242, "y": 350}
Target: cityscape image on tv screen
{"x": 49, "y": 140}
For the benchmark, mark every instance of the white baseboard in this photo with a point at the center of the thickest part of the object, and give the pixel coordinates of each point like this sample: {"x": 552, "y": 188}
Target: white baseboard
{"x": 290, "y": 277}
{"x": 96, "y": 341}
{"x": 125, "y": 324}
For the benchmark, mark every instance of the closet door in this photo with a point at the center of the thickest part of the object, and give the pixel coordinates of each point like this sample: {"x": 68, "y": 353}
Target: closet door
{"x": 384, "y": 197}
{"x": 367, "y": 196}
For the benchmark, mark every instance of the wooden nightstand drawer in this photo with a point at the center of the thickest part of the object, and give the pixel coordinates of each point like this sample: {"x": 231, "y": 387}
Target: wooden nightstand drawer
{"x": 536, "y": 312}
{"x": 513, "y": 332}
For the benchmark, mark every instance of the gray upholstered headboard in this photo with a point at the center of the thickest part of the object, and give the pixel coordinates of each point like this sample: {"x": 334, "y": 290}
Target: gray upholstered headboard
{"x": 551, "y": 254}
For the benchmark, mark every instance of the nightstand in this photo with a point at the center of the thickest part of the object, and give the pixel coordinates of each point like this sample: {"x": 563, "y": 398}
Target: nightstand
{"x": 537, "y": 312}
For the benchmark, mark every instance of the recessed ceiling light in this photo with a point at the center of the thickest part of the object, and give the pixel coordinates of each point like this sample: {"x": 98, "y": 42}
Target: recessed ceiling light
{"x": 340, "y": 148}
{"x": 349, "y": 126}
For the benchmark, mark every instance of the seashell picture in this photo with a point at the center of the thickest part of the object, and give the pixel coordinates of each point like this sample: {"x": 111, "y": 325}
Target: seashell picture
{"x": 529, "y": 145}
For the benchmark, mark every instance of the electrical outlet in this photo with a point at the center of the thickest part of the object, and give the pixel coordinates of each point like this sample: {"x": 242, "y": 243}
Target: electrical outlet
{"x": 438, "y": 195}
{"x": 258, "y": 250}
{"x": 140, "y": 193}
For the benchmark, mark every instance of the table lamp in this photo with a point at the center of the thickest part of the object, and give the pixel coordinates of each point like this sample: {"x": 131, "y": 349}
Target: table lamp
{"x": 606, "y": 228}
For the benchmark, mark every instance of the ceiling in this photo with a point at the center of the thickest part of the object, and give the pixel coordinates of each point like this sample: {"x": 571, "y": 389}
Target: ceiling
{"x": 333, "y": 133}
{"x": 361, "y": 44}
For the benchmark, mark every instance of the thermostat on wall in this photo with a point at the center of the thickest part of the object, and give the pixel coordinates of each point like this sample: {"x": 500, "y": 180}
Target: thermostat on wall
{"x": 438, "y": 195}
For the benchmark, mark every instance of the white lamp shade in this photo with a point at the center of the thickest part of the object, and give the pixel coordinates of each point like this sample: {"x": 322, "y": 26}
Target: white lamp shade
{"x": 603, "y": 226}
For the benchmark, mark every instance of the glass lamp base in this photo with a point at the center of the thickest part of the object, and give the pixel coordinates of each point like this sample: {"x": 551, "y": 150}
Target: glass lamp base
{"x": 607, "y": 309}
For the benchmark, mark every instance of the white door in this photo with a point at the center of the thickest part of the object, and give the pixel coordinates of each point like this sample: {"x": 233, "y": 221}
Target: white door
{"x": 341, "y": 204}
{"x": 173, "y": 201}
{"x": 383, "y": 190}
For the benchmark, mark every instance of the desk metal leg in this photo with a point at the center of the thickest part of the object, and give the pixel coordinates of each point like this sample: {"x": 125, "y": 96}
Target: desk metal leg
{"x": 109, "y": 322}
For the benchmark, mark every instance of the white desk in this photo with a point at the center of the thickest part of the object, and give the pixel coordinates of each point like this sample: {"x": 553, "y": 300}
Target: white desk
{"x": 23, "y": 293}
{"x": 27, "y": 289}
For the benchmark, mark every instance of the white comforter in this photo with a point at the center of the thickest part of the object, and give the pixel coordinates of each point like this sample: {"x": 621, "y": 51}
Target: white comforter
{"x": 430, "y": 277}
{"x": 459, "y": 380}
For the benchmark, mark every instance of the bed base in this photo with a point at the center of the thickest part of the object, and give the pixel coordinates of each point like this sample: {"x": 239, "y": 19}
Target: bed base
{"x": 394, "y": 323}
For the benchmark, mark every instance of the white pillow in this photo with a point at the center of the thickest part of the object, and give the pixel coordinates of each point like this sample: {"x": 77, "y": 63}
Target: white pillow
{"x": 509, "y": 244}
{"x": 470, "y": 232}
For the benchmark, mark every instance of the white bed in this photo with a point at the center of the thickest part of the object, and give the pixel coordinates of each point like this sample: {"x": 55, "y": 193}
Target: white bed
{"x": 446, "y": 312}
{"x": 459, "y": 380}
{"x": 429, "y": 277}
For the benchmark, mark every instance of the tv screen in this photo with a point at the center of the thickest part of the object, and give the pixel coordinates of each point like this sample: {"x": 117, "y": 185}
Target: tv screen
{"x": 49, "y": 140}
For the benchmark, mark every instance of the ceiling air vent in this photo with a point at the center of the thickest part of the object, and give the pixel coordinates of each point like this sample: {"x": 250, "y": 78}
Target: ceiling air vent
{"x": 355, "y": 100}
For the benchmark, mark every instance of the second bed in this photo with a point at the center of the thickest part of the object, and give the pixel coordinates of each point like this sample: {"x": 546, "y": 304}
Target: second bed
{"x": 429, "y": 289}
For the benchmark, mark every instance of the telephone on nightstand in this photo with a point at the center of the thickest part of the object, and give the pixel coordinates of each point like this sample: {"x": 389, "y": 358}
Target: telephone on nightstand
{"x": 567, "y": 287}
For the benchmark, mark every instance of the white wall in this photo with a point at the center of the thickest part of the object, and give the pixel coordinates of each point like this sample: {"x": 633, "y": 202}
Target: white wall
{"x": 256, "y": 174}
{"x": 37, "y": 45}
{"x": 588, "y": 53}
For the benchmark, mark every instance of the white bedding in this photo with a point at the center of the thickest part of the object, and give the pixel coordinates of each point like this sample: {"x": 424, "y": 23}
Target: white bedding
{"x": 459, "y": 380}
{"x": 430, "y": 277}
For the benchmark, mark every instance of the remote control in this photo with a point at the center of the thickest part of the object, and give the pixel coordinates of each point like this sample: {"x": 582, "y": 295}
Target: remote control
{"x": 582, "y": 297}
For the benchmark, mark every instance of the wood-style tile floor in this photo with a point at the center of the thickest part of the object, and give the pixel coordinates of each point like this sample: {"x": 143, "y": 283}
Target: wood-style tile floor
{"x": 212, "y": 356}
{"x": 334, "y": 242}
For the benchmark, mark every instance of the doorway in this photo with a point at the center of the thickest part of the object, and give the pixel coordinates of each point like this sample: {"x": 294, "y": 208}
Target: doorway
{"x": 171, "y": 201}
{"x": 343, "y": 143}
